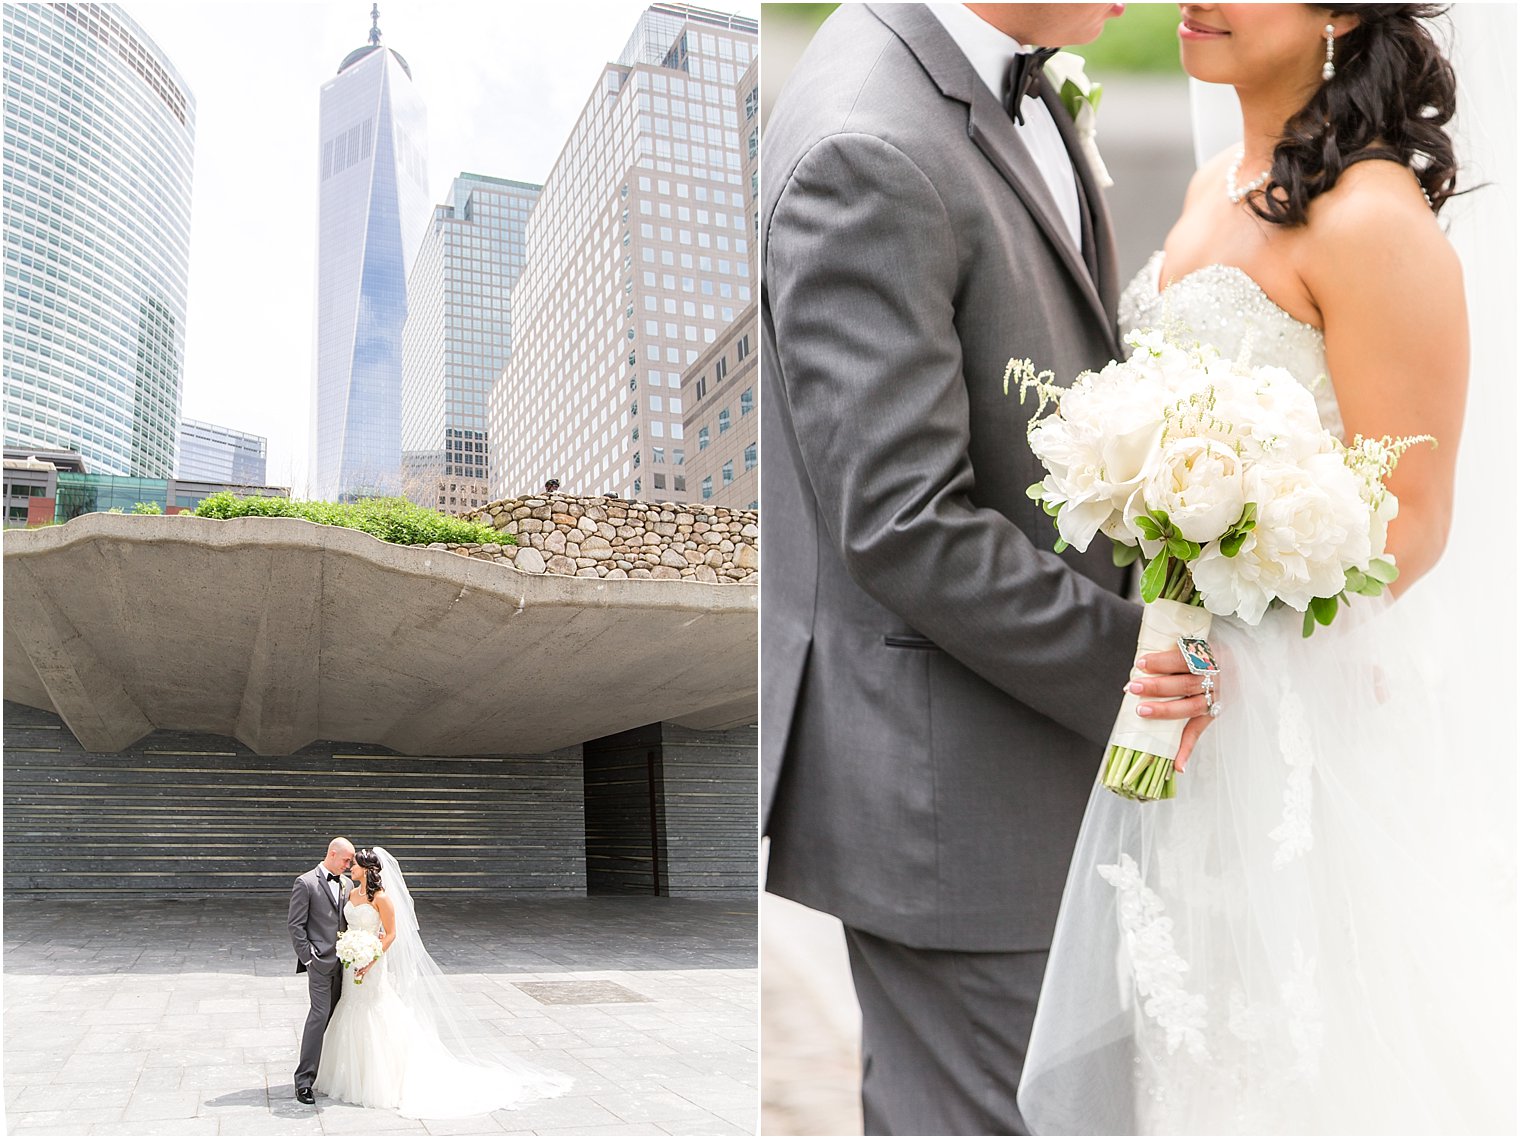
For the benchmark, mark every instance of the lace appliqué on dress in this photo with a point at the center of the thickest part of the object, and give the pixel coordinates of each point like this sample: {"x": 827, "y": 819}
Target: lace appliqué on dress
{"x": 1155, "y": 962}
{"x": 1295, "y": 834}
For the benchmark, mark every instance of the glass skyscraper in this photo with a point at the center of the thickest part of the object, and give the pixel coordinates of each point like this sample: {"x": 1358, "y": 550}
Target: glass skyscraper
{"x": 458, "y": 337}
{"x": 98, "y": 157}
{"x": 220, "y": 454}
{"x": 638, "y": 260}
{"x": 372, "y": 213}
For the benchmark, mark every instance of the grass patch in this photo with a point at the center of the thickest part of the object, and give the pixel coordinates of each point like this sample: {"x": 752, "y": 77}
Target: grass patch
{"x": 389, "y": 519}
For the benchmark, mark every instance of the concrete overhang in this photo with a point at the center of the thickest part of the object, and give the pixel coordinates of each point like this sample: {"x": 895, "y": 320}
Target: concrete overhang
{"x": 279, "y": 632}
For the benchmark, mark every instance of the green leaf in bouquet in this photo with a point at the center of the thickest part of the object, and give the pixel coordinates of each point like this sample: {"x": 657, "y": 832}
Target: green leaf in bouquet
{"x": 1062, "y": 545}
{"x": 1248, "y": 515}
{"x": 1356, "y": 580}
{"x": 1183, "y": 550}
{"x": 1324, "y": 609}
{"x": 1383, "y": 571}
{"x": 1148, "y": 527}
{"x": 1230, "y": 544}
{"x": 1153, "y": 580}
{"x": 1309, "y": 622}
{"x": 1163, "y": 520}
{"x": 1036, "y": 491}
{"x": 1125, "y": 555}
{"x": 1051, "y": 508}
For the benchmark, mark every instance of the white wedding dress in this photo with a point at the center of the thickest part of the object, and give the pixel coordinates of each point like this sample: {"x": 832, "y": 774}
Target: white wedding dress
{"x": 1316, "y": 936}
{"x": 404, "y": 1040}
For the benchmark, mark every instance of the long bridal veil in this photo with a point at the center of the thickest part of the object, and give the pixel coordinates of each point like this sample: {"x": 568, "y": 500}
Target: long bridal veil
{"x": 460, "y": 1063}
{"x": 1318, "y": 935}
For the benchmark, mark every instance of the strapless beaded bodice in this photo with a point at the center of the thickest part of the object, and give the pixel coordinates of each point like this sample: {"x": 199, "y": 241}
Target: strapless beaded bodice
{"x": 1221, "y": 305}
{"x": 362, "y": 916}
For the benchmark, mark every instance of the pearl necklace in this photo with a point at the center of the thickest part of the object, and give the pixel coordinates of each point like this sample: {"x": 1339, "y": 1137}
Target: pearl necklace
{"x": 1237, "y": 194}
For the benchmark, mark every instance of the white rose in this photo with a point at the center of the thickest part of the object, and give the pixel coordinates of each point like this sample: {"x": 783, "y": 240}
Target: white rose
{"x": 1201, "y": 486}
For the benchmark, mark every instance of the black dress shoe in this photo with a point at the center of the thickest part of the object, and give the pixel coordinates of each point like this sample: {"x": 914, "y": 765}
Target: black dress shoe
{"x": 305, "y": 1096}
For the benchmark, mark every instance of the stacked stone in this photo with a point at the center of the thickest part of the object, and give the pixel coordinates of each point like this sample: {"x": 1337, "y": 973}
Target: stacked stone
{"x": 617, "y": 539}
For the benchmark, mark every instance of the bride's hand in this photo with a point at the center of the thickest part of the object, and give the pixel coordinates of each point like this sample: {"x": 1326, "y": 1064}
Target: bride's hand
{"x": 1176, "y": 695}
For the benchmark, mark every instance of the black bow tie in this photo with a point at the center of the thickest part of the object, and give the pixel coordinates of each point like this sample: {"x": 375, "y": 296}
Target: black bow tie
{"x": 1024, "y": 79}
{"x": 331, "y": 877}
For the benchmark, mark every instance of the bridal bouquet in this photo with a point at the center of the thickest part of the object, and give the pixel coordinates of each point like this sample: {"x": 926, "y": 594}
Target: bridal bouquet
{"x": 1220, "y": 478}
{"x": 358, "y": 948}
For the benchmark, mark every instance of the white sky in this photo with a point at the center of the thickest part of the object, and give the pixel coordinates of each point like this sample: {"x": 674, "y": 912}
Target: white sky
{"x": 503, "y": 81}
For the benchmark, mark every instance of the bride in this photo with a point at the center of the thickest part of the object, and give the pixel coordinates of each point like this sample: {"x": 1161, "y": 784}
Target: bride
{"x": 403, "y": 1038}
{"x": 1309, "y": 938}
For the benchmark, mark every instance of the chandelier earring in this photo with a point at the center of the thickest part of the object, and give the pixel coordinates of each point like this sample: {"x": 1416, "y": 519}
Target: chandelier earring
{"x": 1328, "y": 72}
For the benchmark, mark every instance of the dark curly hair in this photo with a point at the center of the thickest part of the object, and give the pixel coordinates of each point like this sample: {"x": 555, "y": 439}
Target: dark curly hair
{"x": 1392, "y": 95}
{"x": 368, "y": 859}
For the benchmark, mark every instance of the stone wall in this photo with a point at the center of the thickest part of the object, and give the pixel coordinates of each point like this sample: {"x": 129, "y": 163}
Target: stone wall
{"x": 617, "y": 539}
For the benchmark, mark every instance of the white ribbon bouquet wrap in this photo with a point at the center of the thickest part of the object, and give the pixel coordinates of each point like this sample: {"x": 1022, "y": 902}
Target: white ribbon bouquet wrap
{"x": 1221, "y": 481}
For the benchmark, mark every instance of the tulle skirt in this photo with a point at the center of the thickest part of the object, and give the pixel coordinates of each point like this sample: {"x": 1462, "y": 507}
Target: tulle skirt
{"x": 378, "y": 1053}
{"x": 1317, "y": 935}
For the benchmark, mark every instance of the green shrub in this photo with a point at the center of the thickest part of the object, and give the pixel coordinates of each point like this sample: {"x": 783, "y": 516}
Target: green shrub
{"x": 147, "y": 508}
{"x": 389, "y": 519}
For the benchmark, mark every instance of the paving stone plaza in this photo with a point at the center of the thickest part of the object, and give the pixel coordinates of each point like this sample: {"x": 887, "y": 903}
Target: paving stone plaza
{"x": 182, "y": 1016}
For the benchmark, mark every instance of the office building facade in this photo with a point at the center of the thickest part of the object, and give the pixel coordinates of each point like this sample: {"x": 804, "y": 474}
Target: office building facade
{"x": 219, "y": 454}
{"x": 719, "y": 391}
{"x": 458, "y": 338}
{"x": 639, "y": 257}
{"x": 98, "y": 156}
{"x": 373, "y": 208}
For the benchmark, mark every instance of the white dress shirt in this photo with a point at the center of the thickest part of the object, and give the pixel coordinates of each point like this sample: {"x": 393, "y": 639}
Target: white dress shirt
{"x": 333, "y": 888}
{"x": 990, "y": 53}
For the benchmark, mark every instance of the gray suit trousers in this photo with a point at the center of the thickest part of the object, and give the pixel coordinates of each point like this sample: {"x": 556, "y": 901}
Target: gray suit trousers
{"x": 944, "y": 1035}
{"x": 325, "y": 986}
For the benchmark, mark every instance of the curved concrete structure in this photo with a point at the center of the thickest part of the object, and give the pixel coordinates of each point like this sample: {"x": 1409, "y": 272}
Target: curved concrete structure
{"x": 278, "y": 632}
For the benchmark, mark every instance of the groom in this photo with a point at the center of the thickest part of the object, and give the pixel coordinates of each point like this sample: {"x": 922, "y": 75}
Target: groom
{"x": 316, "y": 919}
{"x": 939, "y": 683}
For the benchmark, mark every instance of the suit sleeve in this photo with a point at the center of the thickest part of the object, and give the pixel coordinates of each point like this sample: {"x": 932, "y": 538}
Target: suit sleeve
{"x": 300, "y": 908}
{"x": 861, "y": 271}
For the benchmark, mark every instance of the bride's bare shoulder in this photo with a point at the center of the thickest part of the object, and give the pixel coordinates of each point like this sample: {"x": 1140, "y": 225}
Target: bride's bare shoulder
{"x": 1374, "y": 222}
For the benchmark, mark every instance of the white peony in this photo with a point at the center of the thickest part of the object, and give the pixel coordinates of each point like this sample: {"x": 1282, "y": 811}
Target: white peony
{"x": 1200, "y": 484}
{"x": 1312, "y": 524}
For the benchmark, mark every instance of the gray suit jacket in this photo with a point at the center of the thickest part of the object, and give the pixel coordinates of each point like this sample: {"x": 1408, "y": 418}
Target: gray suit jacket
{"x": 315, "y": 922}
{"x": 939, "y": 684}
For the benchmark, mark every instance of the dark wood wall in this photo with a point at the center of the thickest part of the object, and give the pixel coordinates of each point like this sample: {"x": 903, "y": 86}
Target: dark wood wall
{"x": 204, "y": 811}
{"x": 672, "y": 811}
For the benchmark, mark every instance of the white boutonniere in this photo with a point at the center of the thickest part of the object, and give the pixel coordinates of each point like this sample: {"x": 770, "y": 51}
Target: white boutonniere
{"x": 1081, "y": 96}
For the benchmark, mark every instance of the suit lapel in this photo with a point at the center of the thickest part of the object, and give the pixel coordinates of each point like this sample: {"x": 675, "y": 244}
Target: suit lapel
{"x": 995, "y": 135}
{"x": 322, "y": 889}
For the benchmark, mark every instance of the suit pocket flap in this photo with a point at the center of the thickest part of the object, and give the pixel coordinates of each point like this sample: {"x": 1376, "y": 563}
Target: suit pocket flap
{"x": 909, "y": 641}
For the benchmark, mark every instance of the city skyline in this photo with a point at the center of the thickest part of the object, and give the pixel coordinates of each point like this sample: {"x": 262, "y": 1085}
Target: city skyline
{"x": 504, "y": 85}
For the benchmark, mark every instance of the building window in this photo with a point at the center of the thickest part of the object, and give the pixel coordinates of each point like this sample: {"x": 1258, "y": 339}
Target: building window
{"x": 701, "y": 387}
{"x": 678, "y": 456}
{"x": 723, "y": 423}
{"x": 707, "y": 487}
{"x": 703, "y": 438}
{"x": 749, "y": 457}
{"x": 659, "y": 482}
{"x": 680, "y": 481}
{"x": 657, "y": 454}
{"x": 747, "y": 402}
{"x": 638, "y": 486}
{"x": 720, "y": 369}
{"x": 743, "y": 347}
{"x": 728, "y": 473}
